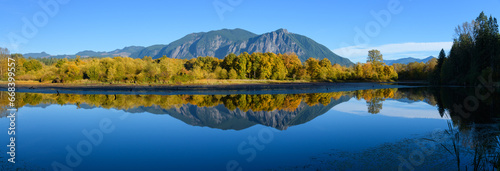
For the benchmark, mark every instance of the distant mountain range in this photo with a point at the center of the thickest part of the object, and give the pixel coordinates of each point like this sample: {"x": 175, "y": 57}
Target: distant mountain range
{"x": 407, "y": 60}
{"x": 127, "y": 51}
{"x": 219, "y": 44}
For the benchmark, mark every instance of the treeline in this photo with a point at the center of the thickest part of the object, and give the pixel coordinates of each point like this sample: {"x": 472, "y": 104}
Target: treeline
{"x": 262, "y": 66}
{"x": 416, "y": 70}
{"x": 243, "y": 102}
{"x": 475, "y": 53}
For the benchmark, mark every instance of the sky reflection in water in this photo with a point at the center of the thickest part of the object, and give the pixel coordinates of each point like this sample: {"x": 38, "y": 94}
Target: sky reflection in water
{"x": 190, "y": 137}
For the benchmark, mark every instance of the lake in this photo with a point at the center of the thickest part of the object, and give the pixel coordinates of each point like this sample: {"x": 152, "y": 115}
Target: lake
{"x": 375, "y": 129}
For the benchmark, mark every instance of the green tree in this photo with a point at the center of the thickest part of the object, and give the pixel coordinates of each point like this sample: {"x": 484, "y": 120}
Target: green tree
{"x": 71, "y": 72}
{"x": 437, "y": 71}
{"x": 255, "y": 60}
{"x": 241, "y": 63}
{"x": 32, "y": 65}
{"x": 4, "y": 55}
{"x": 94, "y": 71}
{"x": 375, "y": 57}
{"x": 473, "y": 53}
{"x": 228, "y": 62}
{"x": 279, "y": 69}
{"x": 220, "y": 73}
{"x": 19, "y": 61}
{"x": 313, "y": 68}
{"x": 325, "y": 63}
{"x": 292, "y": 64}
{"x": 232, "y": 74}
{"x": 61, "y": 62}
{"x": 108, "y": 66}
{"x": 266, "y": 66}
{"x": 77, "y": 60}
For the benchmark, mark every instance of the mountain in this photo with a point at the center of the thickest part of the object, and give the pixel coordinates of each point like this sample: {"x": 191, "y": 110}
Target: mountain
{"x": 37, "y": 55}
{"x": 126, "y": 51}
{"x": 148, "y": 51}
{"x": 408, "y": 60}
{"x": 203, "y": 44}
{"x": 220, "y": 43}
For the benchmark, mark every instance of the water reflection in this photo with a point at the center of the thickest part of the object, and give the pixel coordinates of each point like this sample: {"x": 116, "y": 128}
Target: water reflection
{"x": 236, "y": 112}
{"x": 476, "y": 143}
{"x": 471, "y": 141}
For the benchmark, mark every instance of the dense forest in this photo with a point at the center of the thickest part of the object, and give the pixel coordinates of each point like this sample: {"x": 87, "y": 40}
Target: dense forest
{"x": 475, "y": 53}
{"x": 261, "y": 66}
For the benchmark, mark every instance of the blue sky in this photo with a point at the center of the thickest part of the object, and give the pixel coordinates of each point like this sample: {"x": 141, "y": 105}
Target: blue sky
{"x": 417, "y": 28}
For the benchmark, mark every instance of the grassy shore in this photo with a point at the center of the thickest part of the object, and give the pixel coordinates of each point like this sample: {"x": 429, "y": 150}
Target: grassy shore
{"x": 192, "y": 83}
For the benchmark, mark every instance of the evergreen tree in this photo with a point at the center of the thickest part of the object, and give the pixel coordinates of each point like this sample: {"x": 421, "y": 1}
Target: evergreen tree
{"x": 437, "y": 71}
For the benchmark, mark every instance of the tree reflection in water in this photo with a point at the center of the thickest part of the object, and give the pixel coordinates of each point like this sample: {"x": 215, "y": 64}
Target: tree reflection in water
{"x": 473, "y": 140}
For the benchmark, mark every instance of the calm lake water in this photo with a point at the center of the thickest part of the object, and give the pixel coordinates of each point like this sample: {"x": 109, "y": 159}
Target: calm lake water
{"x": 383, "y": 129}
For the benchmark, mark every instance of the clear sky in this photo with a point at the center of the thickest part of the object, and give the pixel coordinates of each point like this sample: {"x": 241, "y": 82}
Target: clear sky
{"x": 417, "y": 28}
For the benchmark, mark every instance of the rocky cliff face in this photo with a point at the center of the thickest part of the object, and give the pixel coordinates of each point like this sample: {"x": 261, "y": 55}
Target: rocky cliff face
{"x": 210, "y": 43}
{"x": 221, "y": 43}
{"x": 279, "y": 41}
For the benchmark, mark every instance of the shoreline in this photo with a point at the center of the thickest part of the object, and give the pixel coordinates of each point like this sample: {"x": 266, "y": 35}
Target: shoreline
{"x": 253, "y": 88}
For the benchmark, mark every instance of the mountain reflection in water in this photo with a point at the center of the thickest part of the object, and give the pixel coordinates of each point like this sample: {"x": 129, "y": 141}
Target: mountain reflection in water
{"x": 235, "y": 112}
{"x": 472, "y": 140}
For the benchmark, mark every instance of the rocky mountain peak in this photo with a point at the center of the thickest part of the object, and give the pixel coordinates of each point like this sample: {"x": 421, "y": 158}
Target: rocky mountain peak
{"x": 282, "y": 30}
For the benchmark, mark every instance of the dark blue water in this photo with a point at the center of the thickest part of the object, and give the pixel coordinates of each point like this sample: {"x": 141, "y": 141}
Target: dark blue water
{"x": 50, "y": 136}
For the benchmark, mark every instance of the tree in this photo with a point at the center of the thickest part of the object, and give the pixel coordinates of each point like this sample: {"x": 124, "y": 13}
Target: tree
{"x": 151, "y": 71}
{"x": 108, "y": 66}
{"x": 266, "y": 66}
{"x": 4, "y": 55}
{"x": 61, "y": 62}
{"x": 147, "y": 58}
{"x": 228, "y": 62}
{"x": 473, "y": 53}
{"x": 19, "y": 61}
{"x": 255, "y": 60}
{"x": 437, "y": 71}
{"x": 292, "y": 64}
{"x": 232, "y": 74}
{"x": 279, "y": 69}
{"x": 313, "y": 67}
{"x": 77, "y": 60}
{"x": 325, "y": 63}
{"x": 71, "y": 72}
{"x": 32, "y": 65}
{"x": 94, "y": 71}
{"x": 375, "y": 57}
{"x": 170, "y": 67}
{"x": 241, "y": 65}
{"x": 220, "y": 73}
